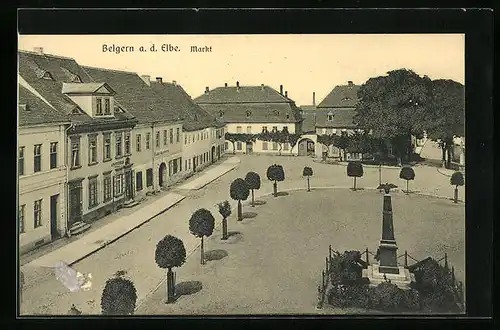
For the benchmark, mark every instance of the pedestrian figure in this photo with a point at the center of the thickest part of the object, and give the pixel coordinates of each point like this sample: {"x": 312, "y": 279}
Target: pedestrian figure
{"x": 74, "y": 311}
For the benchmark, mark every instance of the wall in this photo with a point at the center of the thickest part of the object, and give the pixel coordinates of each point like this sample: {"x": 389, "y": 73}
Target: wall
{"x": 41, "y": 185}
{"x": 196, "y": 143}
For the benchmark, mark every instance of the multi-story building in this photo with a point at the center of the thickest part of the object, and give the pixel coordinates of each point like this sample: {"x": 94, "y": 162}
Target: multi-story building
{"x": 97, "y": 144}
{"x": 252, "y": 109}
{"x": 307, "y": 143}
{"x": 157, "y": 137}
{"x": 202, "y": 137}
{"x": 41, "y": 170}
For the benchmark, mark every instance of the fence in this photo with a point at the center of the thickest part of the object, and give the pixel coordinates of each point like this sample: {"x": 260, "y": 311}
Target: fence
{"x": 364, "y": 260}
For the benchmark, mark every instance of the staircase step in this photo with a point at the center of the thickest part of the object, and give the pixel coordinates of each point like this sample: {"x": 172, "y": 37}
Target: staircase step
{"x": 130, "y": 204}
{"x": 80, "y": 229}
{"x": 77, "y": 225}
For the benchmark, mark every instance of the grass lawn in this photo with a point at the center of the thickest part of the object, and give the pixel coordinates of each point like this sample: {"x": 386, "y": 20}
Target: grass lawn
{"x": 272, "y": 262}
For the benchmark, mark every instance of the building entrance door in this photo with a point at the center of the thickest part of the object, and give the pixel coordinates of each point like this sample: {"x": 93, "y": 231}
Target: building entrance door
{"x": 54, "y": 202}
{"x": 129, "y": 185}
{"x": 75, "y": 204}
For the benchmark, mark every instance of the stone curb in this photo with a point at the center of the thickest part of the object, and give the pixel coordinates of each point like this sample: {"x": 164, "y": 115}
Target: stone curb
{"x": 364, "y": 165}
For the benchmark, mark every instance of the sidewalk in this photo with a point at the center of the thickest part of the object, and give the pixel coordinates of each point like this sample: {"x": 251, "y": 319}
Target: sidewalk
{"x": 211, "y": 175}
{"x": 96, "y": 240}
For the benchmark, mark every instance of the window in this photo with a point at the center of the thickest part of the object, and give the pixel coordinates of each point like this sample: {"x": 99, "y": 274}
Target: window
{"x": 138, "y": 180}
{"x": 275, "y": 146}
{"x": 175, "y": 166}
{"x": 249, "y": 129}
{"x": 177, "y": 135}
{"x": 238, "y": 129}
{"x": 107, "y": 147}
{"x": 189, "y": 138}
{"x": 275, "y": 128}
{"x": 118, "y": 185}
{"x": 330, "y": 116}
{"x": 185, "y": 139}
{"x": 107, "y": 187}
{"x": 334, "y": 131}
{"x": 171, "y": 168}
{"x": 171, "y": 135}
{"x": 165, "y": 137}
{"x": 20, "y": 162}
{"x": 92, "y": 149}
{"x": 138, "y": 142}
{"x": 53, "y": 154}
{"x": 127, "y": 143}
{"x": 185, "y": 165}
{"x": 118, "y": 137}
{"x": 323, "y": 131}
{"x": 221, "y": 113}
{"x": 287, "y": 116}
{"x": 264, "y": 129}
{"x": 37, "y": 160}
{"x": 149, "y": 177}
{"x": 180, "y": 164}
{"x": 157, "y": 140}
{"x": 37, "y": 213}
{"x": 20, "y": 216}
{"x": 286, "y": 146}
{"x": 107, "y": 107}
{"x": 238, "y": 145}
{"x": 98, "y": 111}
{"x": 93, "y": 192}
{"x": 248, "y": 113}
{"x": 75, "y": 152}
{"x": 148, "y": 140}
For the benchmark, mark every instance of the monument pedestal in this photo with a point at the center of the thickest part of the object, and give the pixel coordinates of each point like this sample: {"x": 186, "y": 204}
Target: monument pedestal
{"x": 402, "y": 279}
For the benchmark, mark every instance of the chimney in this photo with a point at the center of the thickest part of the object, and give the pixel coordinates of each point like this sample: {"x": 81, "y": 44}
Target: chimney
{"x": 38, "y": 50}
{"x": 262, "y": 86}
{"x": 159, "y": 80}
{"x": 350, "y": 83}
{"x": 146, "y": 79}
{"x": 174, "y": 82}
{"x": 225, "y": 84}
{"x": 314, "y": 98}
{"x": 281, "y": 89}
{"x": 207, "y": 89}
{"x": 286, "y": 93}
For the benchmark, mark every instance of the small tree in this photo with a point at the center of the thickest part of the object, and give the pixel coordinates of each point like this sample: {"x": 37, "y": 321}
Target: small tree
{"x": 342, "y": 142}
{"x": 118, "y": 297}
{"x": 457, "y": 179}
{"x": 239, "y": 191}
{"x": 275, "y": 173}
{"x": 407, "y": 174}
{"x": 253, "y": 181}
{"x": 231, "y": 138}
{"x": 202, "y": 224}
{"x": 225, "y": 212}
{"x": 170, "y": 252}
{"x": 307, "y": 172}
{"x": 326, "y": 140}
{"x": 354, "y": 169}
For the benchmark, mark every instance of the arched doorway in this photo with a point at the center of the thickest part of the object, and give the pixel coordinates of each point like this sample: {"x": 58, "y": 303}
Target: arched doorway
{"x": 306, "y": 147}
{"x": 162, "y": 174}
{"x": 213, "y": 154}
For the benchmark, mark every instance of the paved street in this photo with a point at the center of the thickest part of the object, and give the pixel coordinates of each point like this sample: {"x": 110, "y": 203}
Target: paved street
{"x": 134, "y": 253}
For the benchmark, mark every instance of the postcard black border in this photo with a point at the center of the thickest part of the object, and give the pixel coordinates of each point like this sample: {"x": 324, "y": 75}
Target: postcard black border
{"x": 477, "y": 24}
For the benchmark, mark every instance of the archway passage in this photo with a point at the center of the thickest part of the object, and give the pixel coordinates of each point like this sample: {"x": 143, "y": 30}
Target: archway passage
{"x": 306, "y": 147}
{"x": 161, "y": 174}
{"x": 213, "y": 154}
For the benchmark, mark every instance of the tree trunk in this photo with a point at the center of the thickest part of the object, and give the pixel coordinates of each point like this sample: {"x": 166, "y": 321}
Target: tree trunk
{"x": 443, "y": 154}
{"x": 448, "y": 154}
{"x": 234, "y": 148}
{"x": 240, "y": 215}
{"x": 253, "y": 200}
{"x": 354, "y": 184}
{"x": 455, "y": 199}
{"x": 224, "y": 229}
{"x": 407, "y": 191}
{"x": 308, "y": 185}
{"x": 275, "y": 188}
{"x": 202, "y": 252}
{"x": 170, "y": 286}
{"x": 410, "y": 148}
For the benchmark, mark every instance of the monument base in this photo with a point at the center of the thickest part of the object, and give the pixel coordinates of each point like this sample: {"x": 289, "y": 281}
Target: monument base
{"x": 402, "y": 280}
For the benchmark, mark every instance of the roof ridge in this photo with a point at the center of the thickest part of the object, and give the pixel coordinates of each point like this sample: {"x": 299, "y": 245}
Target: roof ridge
{"x": 110, "y": 70}
{"x": 45, "y": 54}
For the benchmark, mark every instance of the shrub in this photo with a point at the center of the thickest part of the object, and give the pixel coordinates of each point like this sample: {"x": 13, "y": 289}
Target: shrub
{"x": 387, "y": 297}
{"x": 355, "y": 170}
{"x": 118, "y": 297}
{"x": 202, "y": 224}
{"x": 275, "y": 173}
{"x": 253, "y": 181}
{"x": 239, "y": 190}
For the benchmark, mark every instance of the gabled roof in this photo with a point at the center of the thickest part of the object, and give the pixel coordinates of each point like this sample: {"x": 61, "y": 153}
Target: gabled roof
{"x": 135, "y": 95}
{"x": 242, "y": 94}
{"x": 45, "y": 74}
{"x": 194, "y": 117}
{"x": 342, "y": 96}
{"x": 85, "y": 88}
{"x": 33, "y": 111}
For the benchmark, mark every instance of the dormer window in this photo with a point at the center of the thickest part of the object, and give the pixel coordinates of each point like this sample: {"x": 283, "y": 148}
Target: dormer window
{"x": 347, "y": 98}
{"x": 287, "y": 116}
{"x": 76, "y": 111}
{"x": 276, "y": 113}
{"x": 330, "y": 116}
{"x": 76, "y": 79}
{"x": 98, "y": 111}
{"x": 107, "y": 106}
{"x": 47, "y": 76}
{"x": 248, "y": 114}
{"x": 221, "y": 113}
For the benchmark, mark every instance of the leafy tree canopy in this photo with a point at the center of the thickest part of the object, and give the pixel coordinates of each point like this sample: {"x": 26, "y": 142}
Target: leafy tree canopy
{"x": 170, "y": 252}
{"x": 253, "y": 180}
{"x": 407, "y": 173}
{"x": 225, "y": 209}
{"x": 457, "y": 179}
{"x": 239, "y": 190}
{"x": 202, "y": 223}
{"x": 118, "y": 297}
{"x": 307, "y": 171}
{"x": 275, "y": 173}
{"x": 355, "y": 169}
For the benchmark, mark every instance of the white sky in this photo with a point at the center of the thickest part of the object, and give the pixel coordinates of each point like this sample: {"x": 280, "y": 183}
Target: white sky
{"x": 303, "y": 64}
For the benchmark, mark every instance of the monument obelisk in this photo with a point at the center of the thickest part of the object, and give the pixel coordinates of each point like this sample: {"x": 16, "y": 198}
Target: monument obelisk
{"x": 387, "y": 251}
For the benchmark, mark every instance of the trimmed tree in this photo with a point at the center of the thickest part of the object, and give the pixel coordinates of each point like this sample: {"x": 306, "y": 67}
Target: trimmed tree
{"x": 202, "y": 224}
{"x": 275, "y": 173}
{"x": 170, "y": 252}
{"x": 239, "y": 191}
{"x": 457, "y": 179}
{"x": 253, "y": 181}
{"x": 407, "y": 174}
{"x": 225, "y": 212}
{"x": 342, "y": 142}
{"x": 118, "y": 297}
{"x": 307, "y": 172}
{"x": 355, "y": 170}
{"x": 326, "y": 140}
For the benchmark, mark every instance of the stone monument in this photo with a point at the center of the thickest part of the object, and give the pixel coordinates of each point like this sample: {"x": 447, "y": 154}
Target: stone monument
{"x": 387, "y": 268}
